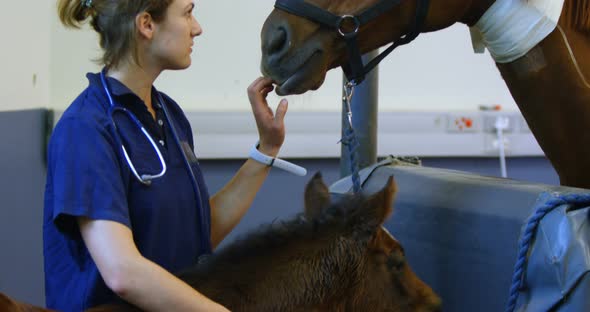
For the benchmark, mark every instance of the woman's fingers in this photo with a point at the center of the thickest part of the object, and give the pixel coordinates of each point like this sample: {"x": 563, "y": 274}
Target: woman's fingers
{"x": 281, "y": 111}
{"x": 271, "y": 128}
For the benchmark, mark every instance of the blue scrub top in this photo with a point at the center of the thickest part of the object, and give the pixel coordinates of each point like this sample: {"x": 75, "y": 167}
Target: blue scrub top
{"x": 88, "y": 176}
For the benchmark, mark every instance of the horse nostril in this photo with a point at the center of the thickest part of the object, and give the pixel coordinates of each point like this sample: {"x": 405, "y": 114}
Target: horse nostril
{"x": 277, "y": 41}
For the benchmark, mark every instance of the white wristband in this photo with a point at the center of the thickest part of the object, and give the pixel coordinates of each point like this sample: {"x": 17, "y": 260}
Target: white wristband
{"x": 275, "y": 162}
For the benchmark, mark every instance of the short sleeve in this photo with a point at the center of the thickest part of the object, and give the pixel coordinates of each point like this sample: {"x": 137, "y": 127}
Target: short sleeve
{"x": 84, "y": 175}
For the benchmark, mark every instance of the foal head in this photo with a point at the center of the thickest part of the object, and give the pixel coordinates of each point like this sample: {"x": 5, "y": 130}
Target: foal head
{"x": 380, "y": 277}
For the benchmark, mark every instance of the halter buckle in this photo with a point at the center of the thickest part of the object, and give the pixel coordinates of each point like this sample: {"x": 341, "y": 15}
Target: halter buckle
{"x": 354, "y": 22}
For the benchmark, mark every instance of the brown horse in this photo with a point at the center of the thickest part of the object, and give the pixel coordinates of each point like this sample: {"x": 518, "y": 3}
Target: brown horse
{"x": 335, "y": 257}
{"x": 548, "y": 83}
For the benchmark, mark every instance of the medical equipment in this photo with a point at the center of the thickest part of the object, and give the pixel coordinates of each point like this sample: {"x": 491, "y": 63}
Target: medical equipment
{"x": 275, "y": 162}
{"x": 144, "y": 178}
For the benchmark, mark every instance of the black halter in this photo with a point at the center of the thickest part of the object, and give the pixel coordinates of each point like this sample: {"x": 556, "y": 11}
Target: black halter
{"x": 356, "y": 71}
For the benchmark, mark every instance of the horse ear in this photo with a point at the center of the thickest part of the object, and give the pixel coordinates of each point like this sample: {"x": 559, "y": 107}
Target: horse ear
{"x": 382, "y": 201}
{"x": 377, "y": 208}
{"x": 317, "y": 196}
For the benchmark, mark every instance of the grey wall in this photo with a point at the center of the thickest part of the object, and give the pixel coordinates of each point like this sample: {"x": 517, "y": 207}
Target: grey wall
{"x": 282, "y": 193}
{"x": 21, "y": 188}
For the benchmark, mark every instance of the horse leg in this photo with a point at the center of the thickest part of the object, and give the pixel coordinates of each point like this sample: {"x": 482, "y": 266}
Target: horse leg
{"x": 555, "y": 101}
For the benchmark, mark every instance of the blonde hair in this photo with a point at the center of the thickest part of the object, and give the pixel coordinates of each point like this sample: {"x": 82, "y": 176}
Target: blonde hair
{"x": 114, "y": 21}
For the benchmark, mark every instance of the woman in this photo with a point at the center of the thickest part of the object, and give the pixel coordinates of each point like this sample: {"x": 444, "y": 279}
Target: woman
{"x": 117, "y": 226}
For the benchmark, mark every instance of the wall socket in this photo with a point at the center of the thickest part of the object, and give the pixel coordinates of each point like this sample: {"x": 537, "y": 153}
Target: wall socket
{"x": 464, "y": 122}
{"x": 489, "y": 122}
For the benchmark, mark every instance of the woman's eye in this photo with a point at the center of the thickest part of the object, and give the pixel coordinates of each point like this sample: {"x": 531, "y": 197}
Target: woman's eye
{"x": 190, "y": 10}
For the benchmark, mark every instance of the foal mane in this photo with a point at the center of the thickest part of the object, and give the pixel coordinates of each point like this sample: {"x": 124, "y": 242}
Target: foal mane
{"x": 279, "y": 233}
{"x": 268, "y": 257}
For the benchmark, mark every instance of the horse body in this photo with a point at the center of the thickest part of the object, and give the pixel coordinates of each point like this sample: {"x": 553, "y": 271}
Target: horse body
{"x": 555, "y": 101}
{"x": 549, "y": 89}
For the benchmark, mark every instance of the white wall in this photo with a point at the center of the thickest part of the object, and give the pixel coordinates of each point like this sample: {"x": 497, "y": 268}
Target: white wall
{"x": 24, "y": 57}
{"x": 436, "y": 72}
{"x": 43, "y": 65}
{"x": 439, "y": 71}
{"x": 72, "y": 51}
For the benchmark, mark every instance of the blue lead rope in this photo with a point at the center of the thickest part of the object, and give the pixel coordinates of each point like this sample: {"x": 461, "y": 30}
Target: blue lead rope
{"x": 352, "y": 144}
{"x": 349, "y": 138}
{"x": 542, "y": 208}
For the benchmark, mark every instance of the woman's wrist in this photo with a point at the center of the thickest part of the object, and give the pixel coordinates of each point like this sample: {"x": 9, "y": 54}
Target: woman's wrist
{"x": 273, "y": 161}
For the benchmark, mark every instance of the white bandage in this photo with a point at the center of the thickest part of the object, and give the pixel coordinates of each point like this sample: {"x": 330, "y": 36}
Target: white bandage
{"x": 509, "y": 29}
{"x": 255, "y": 154}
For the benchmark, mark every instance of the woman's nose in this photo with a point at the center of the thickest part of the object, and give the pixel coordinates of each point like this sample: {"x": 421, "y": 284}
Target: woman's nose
{"x": 196, "y": 30}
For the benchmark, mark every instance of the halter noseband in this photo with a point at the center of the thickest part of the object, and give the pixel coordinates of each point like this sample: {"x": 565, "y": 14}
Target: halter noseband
{"x": 356, "y": 71}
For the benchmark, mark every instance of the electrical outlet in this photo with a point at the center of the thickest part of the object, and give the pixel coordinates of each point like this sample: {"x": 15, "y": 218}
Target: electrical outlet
{"x": 489, "y": 122}
{"x": 464, "y": 122}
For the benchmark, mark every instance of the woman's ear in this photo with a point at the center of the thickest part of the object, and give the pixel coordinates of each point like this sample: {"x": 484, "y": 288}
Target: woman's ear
{"x": 145, "y": 25}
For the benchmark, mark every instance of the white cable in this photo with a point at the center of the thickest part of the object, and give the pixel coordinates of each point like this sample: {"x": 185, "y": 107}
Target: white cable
{"x": 256, "y": 155}
{"x": 501, "y": 124}
{"x": 573, "y": 57}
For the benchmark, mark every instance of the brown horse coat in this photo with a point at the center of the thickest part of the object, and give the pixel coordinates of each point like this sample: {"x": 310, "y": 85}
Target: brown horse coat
{"x": 549, "y": 84}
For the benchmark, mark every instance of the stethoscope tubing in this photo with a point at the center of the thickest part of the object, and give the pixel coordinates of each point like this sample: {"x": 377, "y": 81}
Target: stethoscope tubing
{"x": 145, "y": 179}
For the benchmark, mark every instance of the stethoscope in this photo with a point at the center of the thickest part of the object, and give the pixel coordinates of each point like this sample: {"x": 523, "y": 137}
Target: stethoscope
{"x": 146, "y": 179}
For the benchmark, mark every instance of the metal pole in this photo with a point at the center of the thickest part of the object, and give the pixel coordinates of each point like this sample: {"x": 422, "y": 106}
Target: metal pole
{"x": 364, "y": 108}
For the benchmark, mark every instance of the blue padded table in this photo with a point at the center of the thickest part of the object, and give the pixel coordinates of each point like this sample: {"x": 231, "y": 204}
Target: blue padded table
{"x": 461, "y": 235}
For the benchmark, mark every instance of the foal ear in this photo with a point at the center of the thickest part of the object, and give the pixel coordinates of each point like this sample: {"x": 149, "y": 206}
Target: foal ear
{"x": 378, "y": 207}
{"x": 317, "y": 196}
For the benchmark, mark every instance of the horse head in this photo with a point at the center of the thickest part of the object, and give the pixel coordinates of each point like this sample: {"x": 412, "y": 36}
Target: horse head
{"x": 298, "y": 51}
{"x": 384, "y": 280}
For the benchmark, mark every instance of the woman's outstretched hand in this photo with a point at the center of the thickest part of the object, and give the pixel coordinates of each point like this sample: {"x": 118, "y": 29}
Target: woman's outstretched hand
{"x": 271, "y": 127}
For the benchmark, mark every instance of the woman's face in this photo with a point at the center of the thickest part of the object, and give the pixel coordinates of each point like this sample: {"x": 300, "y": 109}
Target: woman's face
{"x": 173, "y": 37}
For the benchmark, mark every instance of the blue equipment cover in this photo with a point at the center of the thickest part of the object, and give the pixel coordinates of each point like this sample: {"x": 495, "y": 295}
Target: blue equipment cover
{"x": 463, "y": 234}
